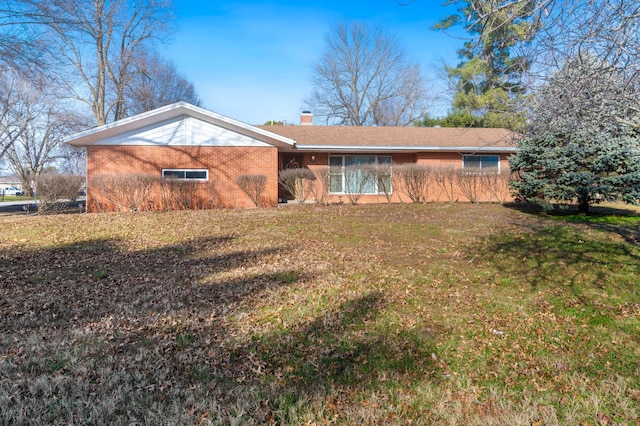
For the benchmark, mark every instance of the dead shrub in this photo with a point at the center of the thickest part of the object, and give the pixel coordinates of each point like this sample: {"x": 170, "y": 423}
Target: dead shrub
{"x": 253, "y": 186}
{"x": 496, "y": 186}
{"x": 178, "y": 194}
{"x": 413, "y": 180}
{"x": 470, "y": 183}
{"x": 128, "y": 192}
{"x": 56, "y": 191}
{"x": 298, "y": 182}
{"x": 212, "y": 193}
{"x": 381, "y": 175}
{"x": 445, "y": 177}
{"x": 320, "y": 187}
{"x": 357, "y": 182}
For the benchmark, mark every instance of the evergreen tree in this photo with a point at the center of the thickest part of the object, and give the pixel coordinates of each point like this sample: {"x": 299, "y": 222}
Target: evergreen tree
{"x": 580, "y": 146}
{"x": 488, "y": 80}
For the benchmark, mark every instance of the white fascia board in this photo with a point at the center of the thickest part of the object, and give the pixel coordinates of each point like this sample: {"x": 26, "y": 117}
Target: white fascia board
{"x": 358, "y": 148}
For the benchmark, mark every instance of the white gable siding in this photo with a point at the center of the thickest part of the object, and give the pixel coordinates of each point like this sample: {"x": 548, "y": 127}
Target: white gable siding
{"x": 198, "y": 132}
{"x": 183, "y": 130}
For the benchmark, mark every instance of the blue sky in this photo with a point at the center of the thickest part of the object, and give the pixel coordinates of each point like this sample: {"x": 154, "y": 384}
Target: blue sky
{"x": 251, "y": 60}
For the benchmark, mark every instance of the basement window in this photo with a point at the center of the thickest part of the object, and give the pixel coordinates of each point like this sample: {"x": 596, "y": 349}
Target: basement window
{"x": 190, "y": 174}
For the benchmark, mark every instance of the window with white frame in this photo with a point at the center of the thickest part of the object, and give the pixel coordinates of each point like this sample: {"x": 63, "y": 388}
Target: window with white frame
{"x": 191, "y": 174}
{"x": 481, "y": 163}
{"x": 348, "y": 174}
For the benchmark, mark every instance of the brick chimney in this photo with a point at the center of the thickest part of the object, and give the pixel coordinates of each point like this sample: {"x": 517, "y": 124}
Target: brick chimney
{"x": 306, "y": 118}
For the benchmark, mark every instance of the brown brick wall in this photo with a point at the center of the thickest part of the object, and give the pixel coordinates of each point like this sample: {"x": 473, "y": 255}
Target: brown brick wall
{"x": 225, "y": 164}
{"x": 444, "y": 159}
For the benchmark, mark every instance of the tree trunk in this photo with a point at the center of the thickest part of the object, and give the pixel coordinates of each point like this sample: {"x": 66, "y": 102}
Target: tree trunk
{"x": 583, "y": 205}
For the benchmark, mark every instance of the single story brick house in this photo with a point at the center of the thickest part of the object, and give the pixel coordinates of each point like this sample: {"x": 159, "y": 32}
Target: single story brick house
{"x": 191, "y": 144}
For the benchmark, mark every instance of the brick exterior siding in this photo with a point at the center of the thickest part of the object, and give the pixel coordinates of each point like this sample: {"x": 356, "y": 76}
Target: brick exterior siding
{"x": 224, "y": 164}
{"x": 437, "y": 159}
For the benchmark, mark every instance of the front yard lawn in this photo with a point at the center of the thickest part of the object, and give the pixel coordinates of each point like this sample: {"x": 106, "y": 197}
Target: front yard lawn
{"x": 383, "y": 314}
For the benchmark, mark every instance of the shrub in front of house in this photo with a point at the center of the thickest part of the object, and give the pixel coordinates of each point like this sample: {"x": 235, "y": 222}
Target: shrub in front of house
{"x": 297, "y": 182}
{"x": 253, "y": 186}
{"x": 56, "y": 191}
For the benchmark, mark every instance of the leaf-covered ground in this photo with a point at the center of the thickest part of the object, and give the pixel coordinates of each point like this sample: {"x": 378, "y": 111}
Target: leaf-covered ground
{"x": 385, "y": 314}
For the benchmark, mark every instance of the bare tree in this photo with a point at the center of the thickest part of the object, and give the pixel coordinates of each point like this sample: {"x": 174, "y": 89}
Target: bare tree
{"x": 157, "y": 83}
{"x": 100, "y": 39}
{"x": 23, "y": 46}
{"x": 72, "y": 160}
{"x": 583, "y": 142}
{"x": 14, "y": 112}
{"x": 366, "y": 78}
{"x": 604, "y": 30}
{"x": 557, "y": 32}
{"x": 36, "y": 121}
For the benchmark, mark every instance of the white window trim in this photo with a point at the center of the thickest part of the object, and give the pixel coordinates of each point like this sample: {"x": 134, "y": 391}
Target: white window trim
{"x": 342, "y": 167}
{"x": 206, "y": 171}
{"x": 482, "y": 155}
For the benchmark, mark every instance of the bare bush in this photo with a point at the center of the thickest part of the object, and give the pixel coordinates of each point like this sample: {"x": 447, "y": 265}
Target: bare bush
{"x": 357, "y": 182}
{"x": 253, "y": 186}
{"x": 56, "y": 191}
{"x": 320, "y": 188}
{"x": 128, "y": 192}
{"x": 496, "y": 186}
{"x": 470, "y": 183}
{"x": 178, "y": 194}
{"x": 212, "y": 192}
{"x": 444, "y": 178}
{"x": 381, "y": 174}
{"x": 413, "y": 180}
{"x": 297, "y": 182}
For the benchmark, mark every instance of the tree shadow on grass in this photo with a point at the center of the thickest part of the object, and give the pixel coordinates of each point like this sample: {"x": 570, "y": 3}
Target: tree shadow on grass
{"x": 558, "y": 255}
{"x": 339, "y": 350}
{"x": 624, "y": 222}
{"x": 80, "y": 283}
{"x": 140, "y": 333}
{"x": 130, "y": 329}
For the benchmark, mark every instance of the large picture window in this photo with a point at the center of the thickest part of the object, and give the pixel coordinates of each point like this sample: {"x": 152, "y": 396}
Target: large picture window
{"x": 191, "y": 174}
{"x": 349, "y": 174}
{"x": 481, "y": 163}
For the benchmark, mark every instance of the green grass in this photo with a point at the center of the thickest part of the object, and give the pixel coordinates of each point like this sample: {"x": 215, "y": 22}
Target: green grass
{"x": 385, "y": 314}
{"x": 8, "y": 198}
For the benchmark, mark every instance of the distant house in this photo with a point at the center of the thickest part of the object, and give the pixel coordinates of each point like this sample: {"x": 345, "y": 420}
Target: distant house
{"x": 12, "y": 181}
{"x": 191, "y": 144}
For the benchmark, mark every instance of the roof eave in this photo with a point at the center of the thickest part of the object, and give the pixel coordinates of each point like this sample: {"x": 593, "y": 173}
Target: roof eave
{"x": 410, "y": 149}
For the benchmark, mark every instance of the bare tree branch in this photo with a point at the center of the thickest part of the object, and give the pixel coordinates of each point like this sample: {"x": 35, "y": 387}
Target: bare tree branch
{"x": 365, "y": 78}
{"x": 100, "y": 39}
